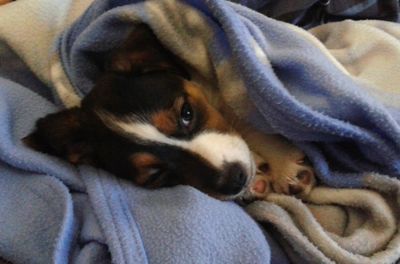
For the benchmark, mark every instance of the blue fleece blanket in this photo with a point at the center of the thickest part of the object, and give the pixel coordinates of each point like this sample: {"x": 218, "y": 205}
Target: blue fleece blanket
{"x": 51, "y": 212}
{"x": 293, "y": 85}
{"x": 278, "y": 77}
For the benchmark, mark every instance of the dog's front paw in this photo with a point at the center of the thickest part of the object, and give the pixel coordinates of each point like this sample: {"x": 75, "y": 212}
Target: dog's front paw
{"x": 282, "y": 167}
{"x": 292, "y": 175}
{"x": 260, "y": 186}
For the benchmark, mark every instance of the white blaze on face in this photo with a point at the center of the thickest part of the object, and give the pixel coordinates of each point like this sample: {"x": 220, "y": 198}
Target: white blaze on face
{"x": 217, "y": 148}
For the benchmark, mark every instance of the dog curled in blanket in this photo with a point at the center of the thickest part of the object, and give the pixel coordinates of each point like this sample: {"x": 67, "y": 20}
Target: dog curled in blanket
{"x": 146, "y": 121}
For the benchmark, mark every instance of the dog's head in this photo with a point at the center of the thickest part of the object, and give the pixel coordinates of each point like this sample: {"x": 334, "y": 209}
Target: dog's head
{"x": 145, "y": 121}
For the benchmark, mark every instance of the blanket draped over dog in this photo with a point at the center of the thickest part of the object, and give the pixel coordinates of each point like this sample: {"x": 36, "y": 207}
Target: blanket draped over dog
{"x": 333, "y": 91}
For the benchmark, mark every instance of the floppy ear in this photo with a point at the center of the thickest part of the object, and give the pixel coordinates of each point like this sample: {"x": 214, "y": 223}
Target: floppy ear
{"x": 142, "y": 53}
{"x": 61, "y": 134}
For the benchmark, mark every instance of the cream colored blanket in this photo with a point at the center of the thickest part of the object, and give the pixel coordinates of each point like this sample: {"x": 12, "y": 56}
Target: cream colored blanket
{"x": 338, "y": 225}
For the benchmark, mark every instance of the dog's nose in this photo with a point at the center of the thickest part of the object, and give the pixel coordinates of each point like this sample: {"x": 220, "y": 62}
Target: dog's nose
{"x": 234, "y": 180}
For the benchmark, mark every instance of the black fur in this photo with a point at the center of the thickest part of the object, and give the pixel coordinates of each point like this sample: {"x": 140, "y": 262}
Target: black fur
{"x": 132, "y": 87}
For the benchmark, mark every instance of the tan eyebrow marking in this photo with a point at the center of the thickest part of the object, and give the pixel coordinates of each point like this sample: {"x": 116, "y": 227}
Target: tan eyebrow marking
{"x": 145, "y": 164}
{"x": 165, "y": 121}
{"x": 213, "y": 118}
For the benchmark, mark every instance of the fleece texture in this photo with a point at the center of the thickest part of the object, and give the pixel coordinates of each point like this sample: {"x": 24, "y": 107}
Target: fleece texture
{"x": 276, "y": 76}
{"x": 334, "y": 225}
{"x": 52, "y": 212}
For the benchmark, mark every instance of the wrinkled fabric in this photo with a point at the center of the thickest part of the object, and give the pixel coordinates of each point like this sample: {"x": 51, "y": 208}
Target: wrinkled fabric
{"x": 334, "y": 225}
{"x": 278, "y": 77}
{"x": 311, "y": 13}
{"x": 52, "y": 212}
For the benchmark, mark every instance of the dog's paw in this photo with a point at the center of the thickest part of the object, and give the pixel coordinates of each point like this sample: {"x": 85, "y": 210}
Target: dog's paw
{"x": 290, "y": 175}
{"x": 260, "y": 186}
{"x": 282, "y": 168}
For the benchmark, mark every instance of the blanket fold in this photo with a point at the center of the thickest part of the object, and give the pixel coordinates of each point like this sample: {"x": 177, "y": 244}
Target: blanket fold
{"x": 315, "y": 88}
{"x": 339, "y": 225}
{"x": 83, "y": 215}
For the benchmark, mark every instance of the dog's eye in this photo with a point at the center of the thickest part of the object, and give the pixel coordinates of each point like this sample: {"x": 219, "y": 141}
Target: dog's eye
{"x": 186, "y": 114}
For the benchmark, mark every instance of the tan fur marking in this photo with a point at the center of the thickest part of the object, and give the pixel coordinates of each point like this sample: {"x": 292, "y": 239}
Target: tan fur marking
{"x": 126, "y": 61}
{"x": 3, "y": 2}
{"x": 74, "y": 158}
{"x": 144, "y": 163}
{"x": 213, "y": 117}
{"x": 165, "y": 121}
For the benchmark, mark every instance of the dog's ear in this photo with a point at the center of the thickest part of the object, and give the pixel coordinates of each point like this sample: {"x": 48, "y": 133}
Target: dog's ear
{"x": 62, "y": 134}
{"x": 142, "y": 53}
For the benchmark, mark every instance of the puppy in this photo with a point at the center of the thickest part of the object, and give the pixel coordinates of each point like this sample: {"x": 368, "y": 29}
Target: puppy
{"x": 146, "y": 121}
